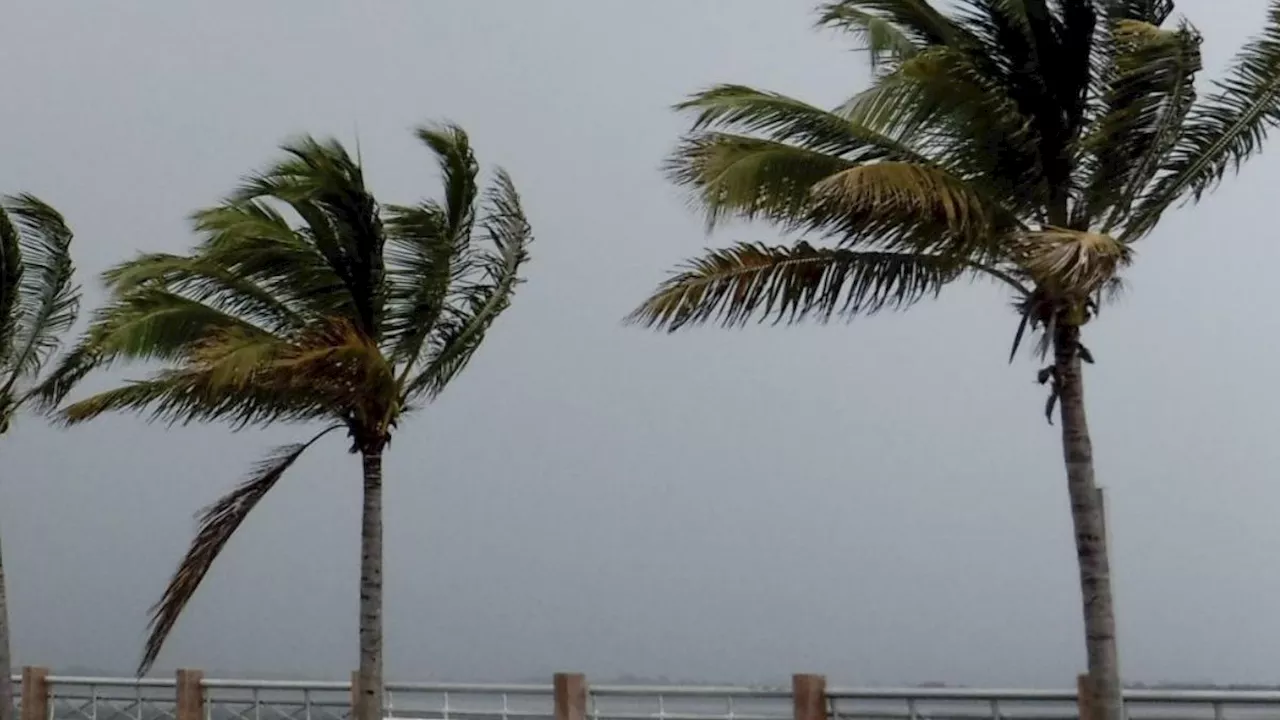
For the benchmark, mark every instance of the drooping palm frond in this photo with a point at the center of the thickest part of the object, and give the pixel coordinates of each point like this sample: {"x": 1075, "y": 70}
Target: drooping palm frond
{"x": 1221, "y": 130}
{"x": 48, "y": 301}
{"x": 1071, "y": 263}
{"x": 789, "y": 284}
{"x": 481, "y": 291}
{"x": 218, "y": 523}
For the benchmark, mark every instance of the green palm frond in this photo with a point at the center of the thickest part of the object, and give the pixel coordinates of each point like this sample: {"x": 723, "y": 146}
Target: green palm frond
{"x": 429, "y": 247}
{"x": 10, "y": 280}
{"x": 881, "y": 38}
{"x": 916, "y": 20}
{"x": 904, "y": 204}
{"x": 145, "y": 323}
{"x": 218, "y": 522}
{"x": 1221, "y": 130}
{"x": 324, "y": 185}
{"x": 48, "y": 300}
{"x": 789, "y": 284}
{"x": 476, "y": 303}
{"x": 250, "y": 240}
{"x": 458, "y": 170}
{"x": 1150, "y": 88}
{"x": 744, "y": 110}
{"x": 747, "y": 177}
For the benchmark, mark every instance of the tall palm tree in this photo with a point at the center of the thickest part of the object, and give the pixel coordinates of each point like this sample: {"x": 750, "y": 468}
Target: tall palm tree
{"x": 38, "y": 303}
{"x": 349, "y": 314}
{"x": 1032, "y": 143}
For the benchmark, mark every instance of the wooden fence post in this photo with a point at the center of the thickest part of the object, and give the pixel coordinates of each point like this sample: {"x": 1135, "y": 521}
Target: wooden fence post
{"x": 809, "y": 697}
{"x": 1086, "y": 701}
{"x": 570, "y": 696}
{"x": 35, "y": 693}
{"x": 190, "y": 704}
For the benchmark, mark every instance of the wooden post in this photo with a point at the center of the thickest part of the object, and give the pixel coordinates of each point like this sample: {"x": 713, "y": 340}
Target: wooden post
{"x": 355, "y": 692}
{"x": 190, "y": 705}
{"x": 570, "y": 696}
{"x": 809, "y": 697}
{"x": 1086, "y": 701}
{"x": 35, "y": 693}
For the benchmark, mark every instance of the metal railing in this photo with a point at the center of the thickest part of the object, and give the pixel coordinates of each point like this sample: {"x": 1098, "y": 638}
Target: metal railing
{"x": 95, "y": 698}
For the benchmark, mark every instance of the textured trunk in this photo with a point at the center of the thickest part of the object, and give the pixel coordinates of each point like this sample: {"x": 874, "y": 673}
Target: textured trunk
{"x": 6, "y": 662}
{"x": 1086, "y": 516}
{"x": 369, "y": 706}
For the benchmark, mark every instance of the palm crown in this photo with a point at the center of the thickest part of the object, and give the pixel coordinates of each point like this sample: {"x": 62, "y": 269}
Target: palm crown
{"x": 347, "y": 317}
{"x": 1032, "y": 142}
{"x": 38, "y": 299}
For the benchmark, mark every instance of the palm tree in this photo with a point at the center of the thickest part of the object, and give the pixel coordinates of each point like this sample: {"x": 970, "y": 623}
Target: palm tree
{"x": 349, "y": 315}
{"x": 1032, "y": 143}
{"x": 38, "y": 303}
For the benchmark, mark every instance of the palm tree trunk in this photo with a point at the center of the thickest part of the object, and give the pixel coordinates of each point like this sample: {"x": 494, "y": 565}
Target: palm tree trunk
{"x": 369, "y": 706}
{"x": 1086, "y": 516}
{"x": 6, "y": 662}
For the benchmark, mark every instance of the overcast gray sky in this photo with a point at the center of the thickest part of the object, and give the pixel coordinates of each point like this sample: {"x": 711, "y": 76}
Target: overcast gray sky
{"x": 882, "y": 502}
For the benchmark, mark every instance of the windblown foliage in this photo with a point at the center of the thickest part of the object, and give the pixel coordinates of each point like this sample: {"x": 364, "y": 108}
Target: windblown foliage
{"x": 306, "y": 300}
{"x": 1032, "y": 141}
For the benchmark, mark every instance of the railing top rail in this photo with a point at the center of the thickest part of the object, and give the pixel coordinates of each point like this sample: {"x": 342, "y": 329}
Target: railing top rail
{"x": 1238, "y": 697}
{"x": 956, "y": 694}
{"x": 420, "y": 687}
{"x": 473, "y": 688}
{"x": 689, "y": 691}
{"x": 111, "y": 681}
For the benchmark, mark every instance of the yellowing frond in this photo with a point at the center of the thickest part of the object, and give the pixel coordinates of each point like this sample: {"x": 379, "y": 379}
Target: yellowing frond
{"x": 911, "y": 195}
{"x": 1072, "y": 262}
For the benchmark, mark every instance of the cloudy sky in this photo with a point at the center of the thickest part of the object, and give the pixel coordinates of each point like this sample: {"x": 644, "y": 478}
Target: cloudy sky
{"x": 882, "y": 502}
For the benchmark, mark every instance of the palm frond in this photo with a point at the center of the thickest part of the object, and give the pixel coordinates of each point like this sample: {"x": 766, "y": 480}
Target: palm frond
{"x": 429, "y": 246}
{"x": 324, "y": 185}
{"x": 478, "y": 303}
{"x": 1222, "y": 129}
{"x": 218, "y": 522}
{"x": 10, "y": 280}
{"x": 49, "y": 301}
{"x": 929, "y": 209}
{"x": 773, "y": 116}
{"x": 747, "y": 177}
{"x": 146, "y": 323}
{"x": 917, "y": 20}
{"x": 732, "y": 286}
{"x": 1150, "y": 88}
{"x": 1071, "y": 263}
{"x": 882, "y": 39}
{"x": 250, "y": 240}
{"x": 458, "y": 170}
{"x": 244, "y": 378}
{"x": 945, "y": 103}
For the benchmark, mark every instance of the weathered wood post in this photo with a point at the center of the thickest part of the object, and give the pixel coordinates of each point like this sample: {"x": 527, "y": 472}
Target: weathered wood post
{"x": 190, "y": 701}
{"x": 1086, "y": 699}
{"x": 35, "y": 693}
{"x": 809, "y": 697}
{"x": 355, "y": 692}
{"x": 570, "y": 696}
